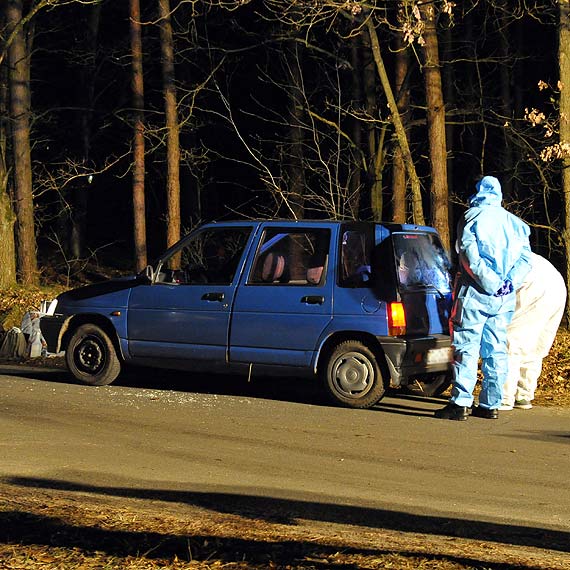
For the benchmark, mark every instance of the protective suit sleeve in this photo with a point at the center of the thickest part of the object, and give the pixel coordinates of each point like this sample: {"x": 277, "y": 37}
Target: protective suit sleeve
{"x": 478, "y": 267}
{"x": 521, "y": 267}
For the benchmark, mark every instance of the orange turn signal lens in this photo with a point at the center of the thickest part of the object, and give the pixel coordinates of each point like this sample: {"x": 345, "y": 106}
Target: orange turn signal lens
{"x": 396, "y": 319}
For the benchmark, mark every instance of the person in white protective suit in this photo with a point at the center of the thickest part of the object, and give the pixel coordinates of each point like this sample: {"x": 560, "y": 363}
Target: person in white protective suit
{"x": 494, "y": 258}
{"x": 539, "y": 309}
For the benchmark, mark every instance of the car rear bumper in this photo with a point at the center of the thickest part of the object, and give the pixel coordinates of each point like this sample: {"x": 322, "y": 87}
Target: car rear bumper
{"x": 409, "y": 357}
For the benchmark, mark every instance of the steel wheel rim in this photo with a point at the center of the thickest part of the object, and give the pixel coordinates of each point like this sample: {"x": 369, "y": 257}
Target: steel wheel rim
{"x": 89, "y": 355}
{"x": 352, "y": 375}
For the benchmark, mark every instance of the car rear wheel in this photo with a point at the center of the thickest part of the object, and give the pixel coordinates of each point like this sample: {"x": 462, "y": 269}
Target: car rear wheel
{"x": 91, "y": 357}
{"x": 352, "y": 375}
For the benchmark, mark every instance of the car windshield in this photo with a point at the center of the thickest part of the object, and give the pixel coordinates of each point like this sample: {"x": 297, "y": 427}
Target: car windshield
{"x": 421, "y": 262}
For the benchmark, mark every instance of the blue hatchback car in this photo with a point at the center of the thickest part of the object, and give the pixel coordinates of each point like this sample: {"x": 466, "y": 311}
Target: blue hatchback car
{"x": 362, "y": 306}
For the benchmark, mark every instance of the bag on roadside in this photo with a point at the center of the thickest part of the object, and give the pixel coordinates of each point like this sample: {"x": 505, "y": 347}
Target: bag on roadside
{"x": 14, "y": 344}
{"x": 33, "y": 334}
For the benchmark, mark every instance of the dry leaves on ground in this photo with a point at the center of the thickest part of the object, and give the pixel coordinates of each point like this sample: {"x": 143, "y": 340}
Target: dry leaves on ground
{"x": 554, "y": 383}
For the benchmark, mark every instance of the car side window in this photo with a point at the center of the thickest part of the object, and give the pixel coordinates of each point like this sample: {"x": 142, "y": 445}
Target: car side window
{"x": 291, "y": 257}
{"x": 209, "y": 257}
{"x": 355, "y": 258}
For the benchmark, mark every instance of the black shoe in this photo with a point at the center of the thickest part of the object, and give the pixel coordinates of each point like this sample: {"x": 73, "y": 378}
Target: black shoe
{"x": 486, "y": 413}
{"x": 452, "y": 412}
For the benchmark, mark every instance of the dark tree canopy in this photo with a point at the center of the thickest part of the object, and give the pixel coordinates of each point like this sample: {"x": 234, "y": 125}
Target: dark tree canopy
{"x": 278, "y": 117}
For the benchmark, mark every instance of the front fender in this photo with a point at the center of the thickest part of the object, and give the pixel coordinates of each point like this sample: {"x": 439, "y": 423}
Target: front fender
{"x": 57, "y": 329}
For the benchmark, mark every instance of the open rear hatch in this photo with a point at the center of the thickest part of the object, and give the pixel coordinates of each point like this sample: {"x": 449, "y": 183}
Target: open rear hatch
{"x": 424, "y": 281}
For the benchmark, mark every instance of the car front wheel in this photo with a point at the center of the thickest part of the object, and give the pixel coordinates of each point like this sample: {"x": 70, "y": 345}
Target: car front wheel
{"x": 91, "y": 357}
{"x": 352, "y": 375}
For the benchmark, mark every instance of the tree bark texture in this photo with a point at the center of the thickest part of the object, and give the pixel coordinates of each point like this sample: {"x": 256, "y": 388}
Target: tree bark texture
{"x": 374, "y": 152}
{"x": 355, "y": 180}
{"x": 436, "y": 126}
{"x": 564, "y": 65}
{"x": 19, "y": 86}
{"x": 139, "y": 217}
{"x": 7, "y": 217}
{"x": 399, "y": 179}
{"x": 294, "y": 161}
{"x": 450, "y": 97}
{"x": 172, "y": 125}
{"x": 417, "y": 208}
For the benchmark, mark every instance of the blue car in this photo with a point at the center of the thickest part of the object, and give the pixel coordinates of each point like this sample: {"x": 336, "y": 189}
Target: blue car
{"x": 362, "y": 306}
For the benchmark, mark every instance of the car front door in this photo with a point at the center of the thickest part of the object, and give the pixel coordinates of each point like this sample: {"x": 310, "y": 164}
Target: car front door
{"x": 185, "y": 312}
{"x": 285, "y": 303}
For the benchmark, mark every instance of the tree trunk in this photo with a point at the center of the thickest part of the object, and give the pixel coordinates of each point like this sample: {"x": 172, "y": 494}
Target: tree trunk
{"x": 474, "y": 133}
{"x": 355, "y": 181}
{"x": 7, "y": 218}
{"x": 564, "y": 65}
{"x": 417, "y": 208}
{"x": 450, "y": 103}
{"x": 139, "y": 219}
{"x": 172, "y": 126}
{"x": 294, "y": 165}
{"x": 436, "y": 126}
{"x": 399, "y": 180}
{"x": 78, "y": 219}
{"x": 80, "y": 191}
{"x": 374, "y": 149}
{"x": 506, "y": 107}
{"x": 19, "y": 86}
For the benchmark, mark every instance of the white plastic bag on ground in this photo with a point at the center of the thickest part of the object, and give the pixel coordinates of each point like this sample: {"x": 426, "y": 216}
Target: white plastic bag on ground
{"x": 31, "y": 329}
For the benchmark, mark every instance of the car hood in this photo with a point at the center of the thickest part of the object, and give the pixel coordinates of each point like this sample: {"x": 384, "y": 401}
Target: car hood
{"x": 114, "y": 292}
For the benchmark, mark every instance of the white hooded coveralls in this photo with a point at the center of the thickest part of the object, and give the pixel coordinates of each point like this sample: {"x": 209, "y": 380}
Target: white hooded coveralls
{"x": 539, "y": 309}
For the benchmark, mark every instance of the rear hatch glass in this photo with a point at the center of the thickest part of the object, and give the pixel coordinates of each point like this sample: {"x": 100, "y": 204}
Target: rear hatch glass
{"x": 421, "y": 262}
{"x": 424, "y": 281}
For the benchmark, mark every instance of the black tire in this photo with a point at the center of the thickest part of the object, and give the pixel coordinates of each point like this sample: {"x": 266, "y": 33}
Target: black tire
{"x": 435, "y": 385}
{"x": 91, "y": 357}
{"x": 352, "y": 375}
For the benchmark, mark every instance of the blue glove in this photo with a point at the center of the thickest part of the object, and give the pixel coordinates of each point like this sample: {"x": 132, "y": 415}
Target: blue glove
{"x": 506, "y": 288}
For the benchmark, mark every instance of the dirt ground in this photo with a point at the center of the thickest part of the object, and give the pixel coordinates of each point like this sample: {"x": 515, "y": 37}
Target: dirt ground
{"x": 49, "y": 529}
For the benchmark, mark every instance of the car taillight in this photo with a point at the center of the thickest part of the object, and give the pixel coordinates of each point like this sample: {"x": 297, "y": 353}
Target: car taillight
{"x": 396, "y": 319}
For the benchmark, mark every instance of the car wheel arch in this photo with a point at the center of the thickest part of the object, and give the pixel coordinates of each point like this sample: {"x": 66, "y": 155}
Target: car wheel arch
{"x": 369, "y": 340}
{"x": 352, "y": 372}
{"x": 93, "y": 319}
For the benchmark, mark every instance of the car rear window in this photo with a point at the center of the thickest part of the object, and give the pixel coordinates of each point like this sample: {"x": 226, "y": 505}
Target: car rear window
{"x": 421, "y": 262}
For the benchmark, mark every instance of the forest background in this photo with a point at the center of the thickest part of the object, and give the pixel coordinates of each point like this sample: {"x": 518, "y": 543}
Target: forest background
{"x": 126, "y": 123}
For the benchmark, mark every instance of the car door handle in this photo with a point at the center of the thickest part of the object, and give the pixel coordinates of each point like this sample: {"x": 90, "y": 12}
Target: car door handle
{"x": 313, "y": 299}
{"x": 219, "y": 297}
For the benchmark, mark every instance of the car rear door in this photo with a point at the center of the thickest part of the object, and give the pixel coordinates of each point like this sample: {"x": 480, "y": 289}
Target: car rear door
{"x": 424, "y": 283}
{"x": 286, "y": 299}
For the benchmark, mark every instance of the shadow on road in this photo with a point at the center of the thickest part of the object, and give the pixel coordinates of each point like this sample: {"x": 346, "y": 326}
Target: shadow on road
{"x": 283, "y": 511}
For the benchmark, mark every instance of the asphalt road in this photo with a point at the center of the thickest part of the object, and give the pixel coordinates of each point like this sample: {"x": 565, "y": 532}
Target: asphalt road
{"x": 269, "y": 446}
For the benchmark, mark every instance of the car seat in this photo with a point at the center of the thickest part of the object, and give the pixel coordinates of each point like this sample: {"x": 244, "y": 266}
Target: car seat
{"x": 273, "y": 267}
{"x": 314, "y": 274}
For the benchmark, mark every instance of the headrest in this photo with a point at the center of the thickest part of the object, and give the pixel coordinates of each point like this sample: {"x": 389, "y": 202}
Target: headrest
{"x": 273, "y": 267}
{"x": 314, "y": 274}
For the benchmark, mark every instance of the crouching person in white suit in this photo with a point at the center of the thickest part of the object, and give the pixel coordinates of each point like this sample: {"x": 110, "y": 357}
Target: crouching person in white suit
{"x": 539, "y": 309}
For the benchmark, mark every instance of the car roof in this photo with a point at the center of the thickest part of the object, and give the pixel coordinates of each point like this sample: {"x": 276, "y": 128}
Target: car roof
{"x": 391, "y": 226}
